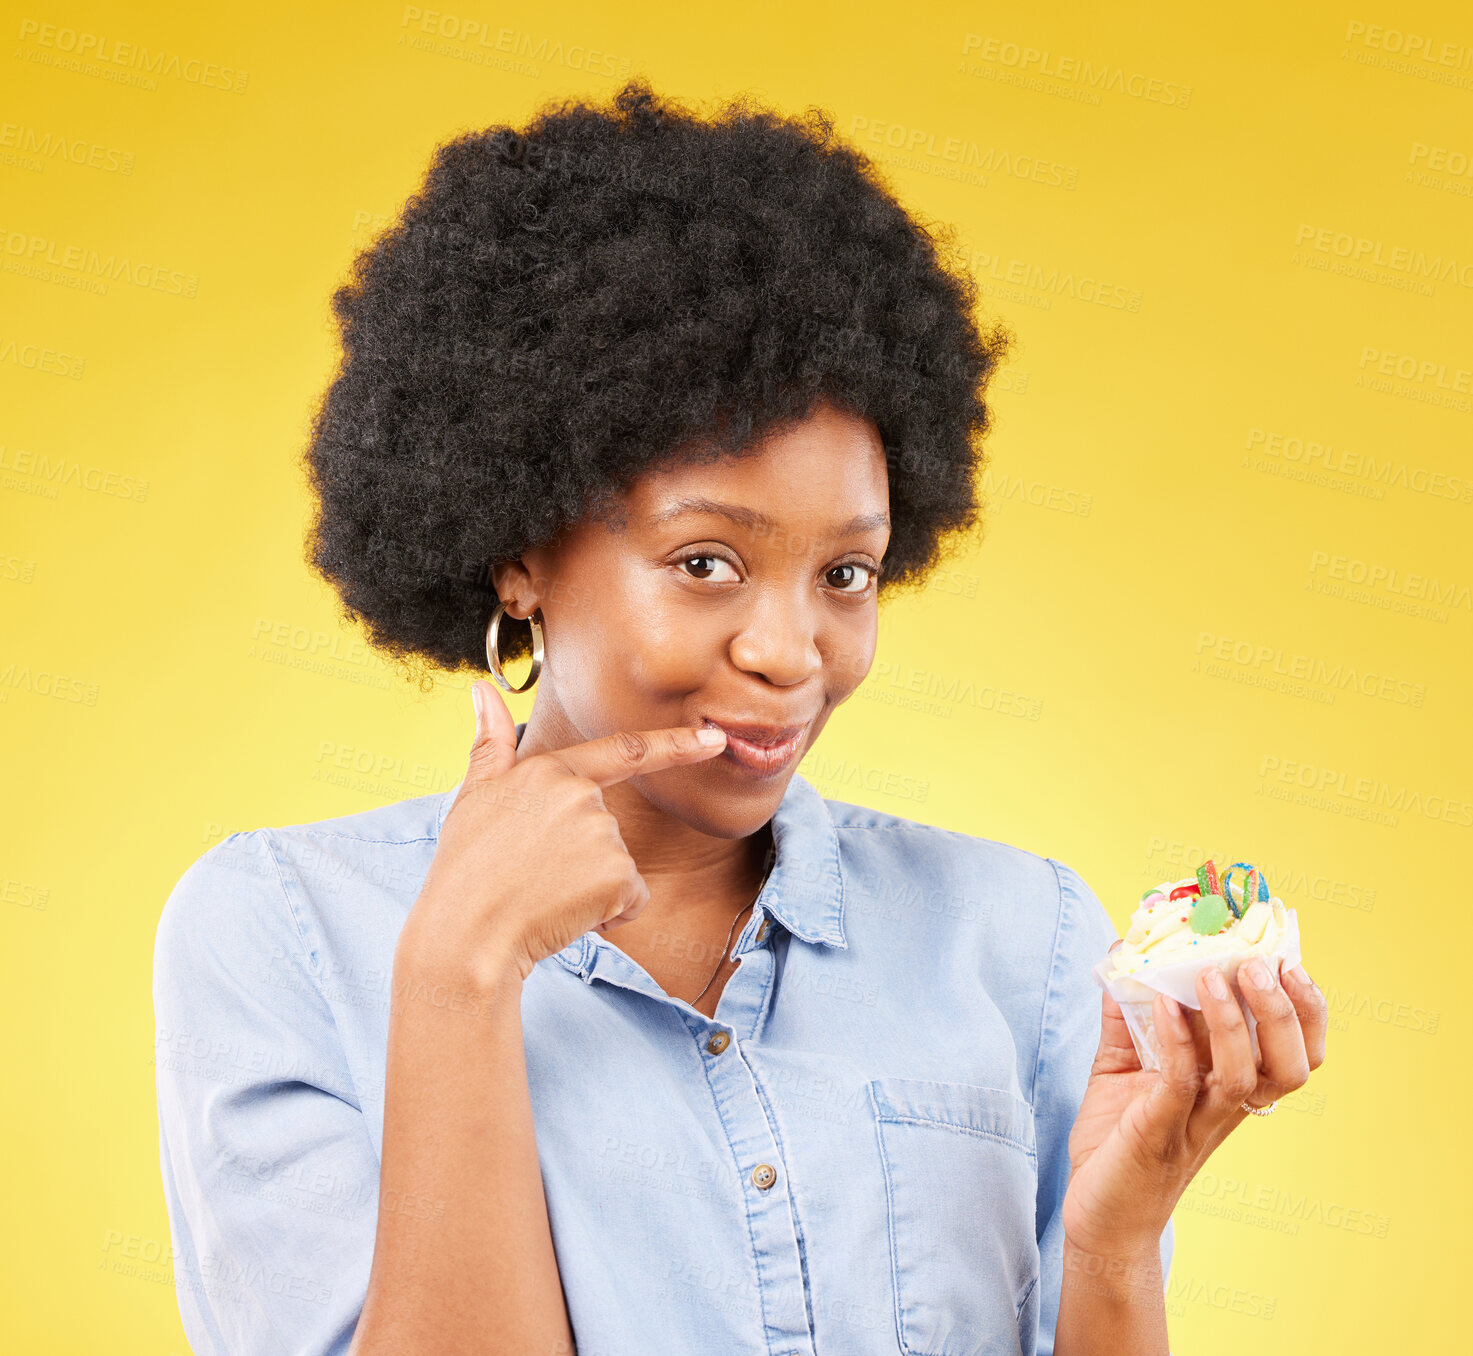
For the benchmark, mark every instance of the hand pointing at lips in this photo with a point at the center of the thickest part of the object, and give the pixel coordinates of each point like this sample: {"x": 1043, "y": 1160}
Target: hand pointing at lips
{"x": 529, "y": 857}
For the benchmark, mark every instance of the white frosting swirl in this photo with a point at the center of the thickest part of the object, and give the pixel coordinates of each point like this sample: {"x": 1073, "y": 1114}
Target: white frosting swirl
{"x": 1161, "y": 933}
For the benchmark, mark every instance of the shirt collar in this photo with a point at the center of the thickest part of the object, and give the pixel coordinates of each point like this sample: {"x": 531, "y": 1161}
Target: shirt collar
{"x": 804, "y": 890}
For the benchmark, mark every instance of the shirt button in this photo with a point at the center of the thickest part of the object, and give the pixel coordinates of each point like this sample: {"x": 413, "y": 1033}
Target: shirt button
{"x": 718, "y": 1042}
{"x": 764, "y": 1175}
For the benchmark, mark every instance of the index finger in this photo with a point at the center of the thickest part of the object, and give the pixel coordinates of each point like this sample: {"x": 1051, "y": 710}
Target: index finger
{"x": 629, "y": 753}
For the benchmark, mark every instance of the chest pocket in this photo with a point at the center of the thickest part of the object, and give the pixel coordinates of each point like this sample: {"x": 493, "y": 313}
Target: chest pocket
{"x": 961, "y": 1178}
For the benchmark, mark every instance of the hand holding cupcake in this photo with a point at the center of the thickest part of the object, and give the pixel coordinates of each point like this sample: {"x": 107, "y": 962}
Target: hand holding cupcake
{"x": 1207, "y": 1016}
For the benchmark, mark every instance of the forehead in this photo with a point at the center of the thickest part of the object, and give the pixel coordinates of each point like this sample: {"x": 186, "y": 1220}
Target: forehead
{"x": 822, "y": 473}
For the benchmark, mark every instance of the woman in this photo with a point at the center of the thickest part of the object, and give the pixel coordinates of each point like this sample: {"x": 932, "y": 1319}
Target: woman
{"x": 631, "y": 1036}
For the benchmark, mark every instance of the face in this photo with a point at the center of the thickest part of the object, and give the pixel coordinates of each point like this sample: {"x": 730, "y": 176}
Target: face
{"x": 739, "y": 592}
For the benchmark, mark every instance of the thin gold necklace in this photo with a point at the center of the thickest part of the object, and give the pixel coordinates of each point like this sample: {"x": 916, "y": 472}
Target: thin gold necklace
{"x": 729, "y": 935}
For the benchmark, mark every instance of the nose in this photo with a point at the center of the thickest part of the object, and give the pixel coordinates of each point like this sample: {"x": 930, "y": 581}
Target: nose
{"x": 778, "y": 640}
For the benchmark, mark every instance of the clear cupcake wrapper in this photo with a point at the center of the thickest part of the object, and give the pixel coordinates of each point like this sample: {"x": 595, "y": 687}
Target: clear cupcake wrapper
{"x": 1136, "y": 992}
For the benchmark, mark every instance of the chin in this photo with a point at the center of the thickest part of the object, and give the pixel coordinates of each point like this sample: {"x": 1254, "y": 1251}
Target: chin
{"x": 715, "y": 802}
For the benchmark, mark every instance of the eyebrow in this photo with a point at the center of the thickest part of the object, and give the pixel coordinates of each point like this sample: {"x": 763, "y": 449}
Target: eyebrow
{"x": 863, "y": 522}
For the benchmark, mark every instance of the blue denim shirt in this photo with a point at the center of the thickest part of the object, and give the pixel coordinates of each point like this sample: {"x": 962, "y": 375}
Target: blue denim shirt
{"x": 863, "y": 1152}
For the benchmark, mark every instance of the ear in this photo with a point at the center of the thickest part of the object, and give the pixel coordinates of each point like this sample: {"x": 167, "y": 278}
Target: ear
{"x": 516, "y": 586}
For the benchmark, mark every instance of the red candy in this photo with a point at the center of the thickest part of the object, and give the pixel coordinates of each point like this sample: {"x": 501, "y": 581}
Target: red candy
{"x": 1185, "y": 892}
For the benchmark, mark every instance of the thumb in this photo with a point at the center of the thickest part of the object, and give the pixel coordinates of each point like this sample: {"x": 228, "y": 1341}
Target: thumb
{"x": 1116, "y": 1052}
{"x": 494, "y": 751}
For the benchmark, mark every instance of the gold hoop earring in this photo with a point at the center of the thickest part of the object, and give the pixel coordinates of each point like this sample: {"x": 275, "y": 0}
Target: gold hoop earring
{"x": 493, "y": 652}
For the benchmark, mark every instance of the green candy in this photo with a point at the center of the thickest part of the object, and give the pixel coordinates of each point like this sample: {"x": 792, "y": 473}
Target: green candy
{"x": 1209, "y": 915}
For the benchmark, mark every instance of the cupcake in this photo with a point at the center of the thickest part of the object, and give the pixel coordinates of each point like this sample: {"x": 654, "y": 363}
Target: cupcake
{"x": 1180, "y": 928}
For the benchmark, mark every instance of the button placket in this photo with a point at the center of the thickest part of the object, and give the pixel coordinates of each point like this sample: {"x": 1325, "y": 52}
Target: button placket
{"x": 756, "y": 1156}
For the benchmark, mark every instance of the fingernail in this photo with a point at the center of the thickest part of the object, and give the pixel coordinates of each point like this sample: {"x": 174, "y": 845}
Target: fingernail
{"x": 1173, "y": 1008}
{"x": 1298, "y": 975}
{"x": 1258, "y": 975}
{"x": 476, "y": 700}
{"x": 709, "y": 734}
{"x": 1216, "y": 984}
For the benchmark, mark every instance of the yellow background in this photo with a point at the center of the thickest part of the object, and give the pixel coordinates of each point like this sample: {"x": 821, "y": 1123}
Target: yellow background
{"x": 1160, "y": 650}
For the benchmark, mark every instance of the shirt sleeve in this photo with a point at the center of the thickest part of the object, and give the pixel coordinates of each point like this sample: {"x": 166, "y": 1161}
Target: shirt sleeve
{"x": 1067, "y": 1045}
{"x": 269, "y": 1174}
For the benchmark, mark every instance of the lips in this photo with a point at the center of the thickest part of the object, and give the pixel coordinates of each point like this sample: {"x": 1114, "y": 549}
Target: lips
{"x": 760, "y": 749}
{"x": 764, "y": 735}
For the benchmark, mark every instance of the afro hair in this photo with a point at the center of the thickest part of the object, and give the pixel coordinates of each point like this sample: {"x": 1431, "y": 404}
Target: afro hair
{"x": 560, "y": 307}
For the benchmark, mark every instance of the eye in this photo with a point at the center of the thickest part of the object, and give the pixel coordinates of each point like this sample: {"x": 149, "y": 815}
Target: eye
{"x": 857, "y": 576}
{"x": 706, "y": 567}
